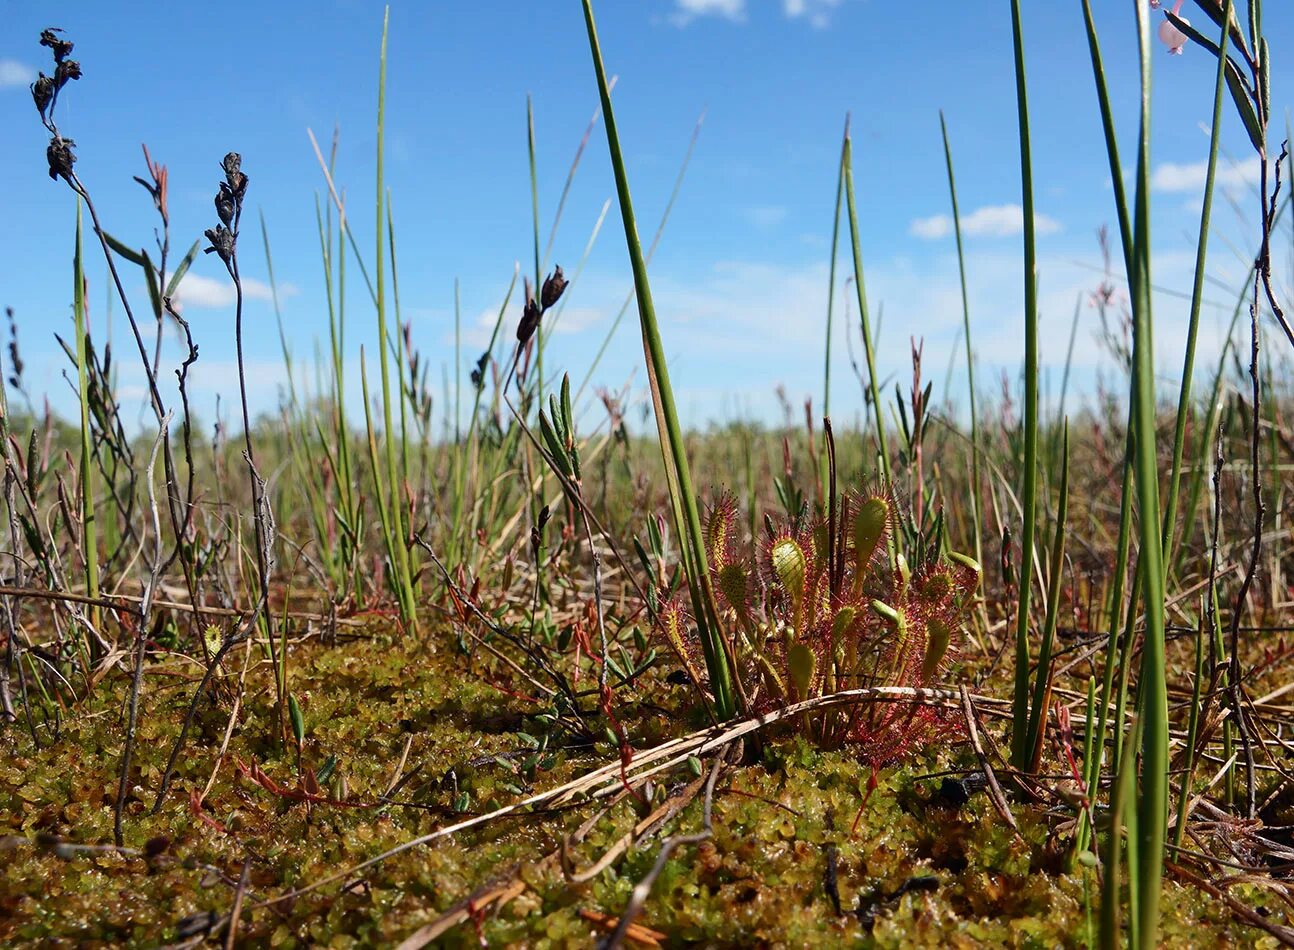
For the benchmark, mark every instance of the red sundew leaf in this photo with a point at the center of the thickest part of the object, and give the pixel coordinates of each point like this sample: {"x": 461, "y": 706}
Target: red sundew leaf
{"x": 258, "y": 776}
{"x": 195, "y": 806}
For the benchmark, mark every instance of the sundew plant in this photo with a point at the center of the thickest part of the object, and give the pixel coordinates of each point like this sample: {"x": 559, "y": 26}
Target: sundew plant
{"x": 483, "y": 651}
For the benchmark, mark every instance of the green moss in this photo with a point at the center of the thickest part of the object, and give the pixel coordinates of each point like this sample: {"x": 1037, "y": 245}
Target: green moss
{"x": 760, "y": 879}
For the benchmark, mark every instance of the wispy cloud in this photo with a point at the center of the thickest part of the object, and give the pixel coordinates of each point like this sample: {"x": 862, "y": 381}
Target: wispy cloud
{"x": 210, "y": 293}
{"x": 989, "y": 221}
{"x": 816, "y": 12}
{"x": 14, "y": 74}
{"x": 1174, "y": 177}
{"x": 685, "y": 11}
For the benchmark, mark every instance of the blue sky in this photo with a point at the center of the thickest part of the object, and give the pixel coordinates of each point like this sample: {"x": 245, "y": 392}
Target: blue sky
{"x": 741, "y": 274}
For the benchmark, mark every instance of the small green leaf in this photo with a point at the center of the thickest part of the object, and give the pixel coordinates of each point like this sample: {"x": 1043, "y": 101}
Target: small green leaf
{"x": 135, "y": 257}
{"x": 1195, "y": 35}
{"x": 326, "y": 770}
{"x": 1240, "y": 95}
{"x": 182, "y": 268}
{"x": 298, "y": 721}
{"x": 555, "y": 448}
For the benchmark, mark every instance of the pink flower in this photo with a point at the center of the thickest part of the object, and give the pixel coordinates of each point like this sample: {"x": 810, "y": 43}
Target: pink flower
{"x": 1169, "y": 34}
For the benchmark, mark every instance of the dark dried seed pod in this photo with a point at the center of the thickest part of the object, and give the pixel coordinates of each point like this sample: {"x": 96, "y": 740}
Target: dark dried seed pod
{"x": 529, "y": 322}
{"x": 61, "y": 47}
{"x": 225, "y": 205}
{"x": 232, "y": 164}
{"x": 42, "y": 93}
{"x": 61, "y": 157}
{"x": 222, "y": 242}
{"x": 68, "y": 69}
{"x": 553, "y": 287}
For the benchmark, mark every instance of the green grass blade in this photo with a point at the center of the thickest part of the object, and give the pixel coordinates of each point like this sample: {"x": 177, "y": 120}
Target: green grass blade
{"x": 855, "y": 240}
{"x": 687, "y": 517}
{"x": 1028, "y": 495}
{"x": 89, "y": 524}
{"x": 1197, "y": 298}
{"x": 394, "y": 524}
{"x": 1152, "y": 803}
{"x": 976, "y": 504}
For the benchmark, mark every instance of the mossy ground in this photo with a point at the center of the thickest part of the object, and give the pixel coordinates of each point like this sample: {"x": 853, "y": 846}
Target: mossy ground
{"x": 759, "y": 881}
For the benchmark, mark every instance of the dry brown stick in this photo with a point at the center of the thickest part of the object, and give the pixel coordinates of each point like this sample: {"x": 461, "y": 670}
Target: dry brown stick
{"x": 609, "y": 779}
{"x": 1283, "y": 934}
{"x": 642, "y": 890}
{"x": 656, "y": 819}
{"x": 229, "y": 727}
{"x": 115, "y": 603}
{"x": 995, "y": 790}
{"x": 232, "y": 934}
{"x": 462, "y": 912}
{"x": 634, "y": 933}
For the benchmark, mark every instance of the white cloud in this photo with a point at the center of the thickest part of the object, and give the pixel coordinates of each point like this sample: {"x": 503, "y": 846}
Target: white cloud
{"x": 989, "y": 221}
{"x": 685, "y": 11}
{"x": 14, "y": 74}
{"x": 210, "y": 293}
{"x": 1174, "y": 177}
{"x": 817, "y": 12}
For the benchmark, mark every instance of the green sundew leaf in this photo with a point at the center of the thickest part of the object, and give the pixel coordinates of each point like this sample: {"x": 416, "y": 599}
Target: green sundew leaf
{"x": 869, "y": 528}
{"x": 733, "y": 586}
{"x": 1244, "y": 105}
{"x": 967, "y": 562}
{"x": 298, "y": 721}
{"x": 801, "y": 663}
{"x": 182, "y": 268}
{"x": 938, "y": 636}
{"x": 211, "y": 636}
{"x": 135, "y": 257}
{"x": 886, "y": 612}
{"x": 840, "y": 626}
{"x": 789, "y": 565}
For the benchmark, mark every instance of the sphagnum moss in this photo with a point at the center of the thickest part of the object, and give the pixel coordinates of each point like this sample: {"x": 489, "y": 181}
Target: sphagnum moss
{"x": 758, "y": 881}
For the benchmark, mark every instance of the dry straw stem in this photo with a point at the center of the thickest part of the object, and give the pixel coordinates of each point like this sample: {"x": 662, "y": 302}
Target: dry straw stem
{"x": 611, "y": 778}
